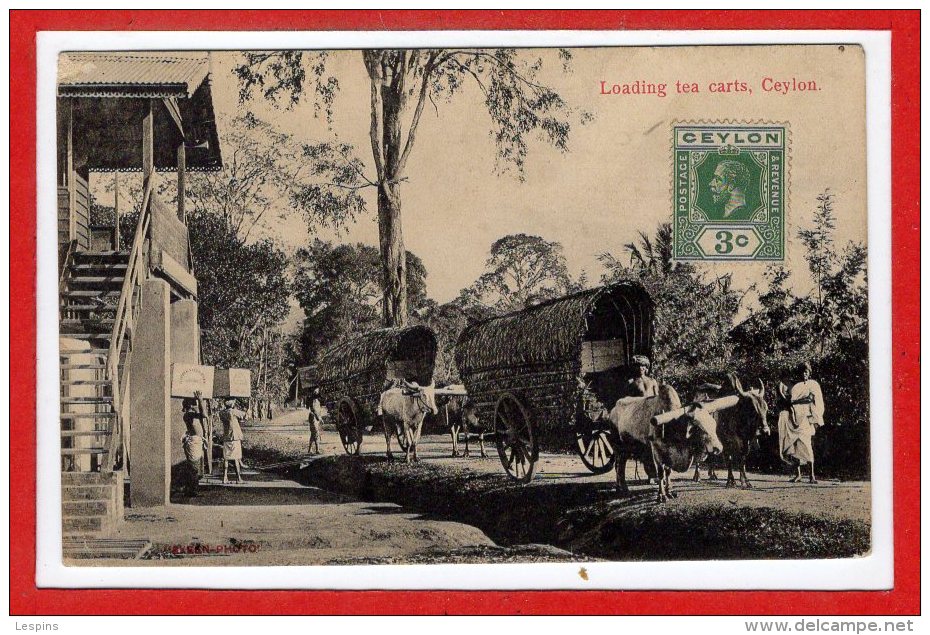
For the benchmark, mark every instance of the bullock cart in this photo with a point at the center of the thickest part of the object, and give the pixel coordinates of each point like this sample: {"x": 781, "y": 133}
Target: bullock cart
{"x": 352, "y": 374}
{"x": 546, "y": 374}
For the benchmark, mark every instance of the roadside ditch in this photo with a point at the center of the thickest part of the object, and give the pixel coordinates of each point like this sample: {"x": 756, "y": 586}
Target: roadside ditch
{"x": 587, "y": 520}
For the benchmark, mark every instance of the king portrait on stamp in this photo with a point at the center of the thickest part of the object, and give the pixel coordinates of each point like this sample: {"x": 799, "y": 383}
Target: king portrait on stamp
{"x": 729, "y": 183}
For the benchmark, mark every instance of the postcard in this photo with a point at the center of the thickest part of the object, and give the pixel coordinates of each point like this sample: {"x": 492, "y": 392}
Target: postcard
{"x": 549, "y": 315}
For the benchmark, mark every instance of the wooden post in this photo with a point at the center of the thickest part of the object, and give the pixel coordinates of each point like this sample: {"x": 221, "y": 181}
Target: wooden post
{"x": 265, "y": 362}
{"x": 209, "y": 438}
{"x": 182, "y": 190}
{"x": 116, "y": 210}
{"x": 70, "y": 164}
{"x": 148, "y": 144}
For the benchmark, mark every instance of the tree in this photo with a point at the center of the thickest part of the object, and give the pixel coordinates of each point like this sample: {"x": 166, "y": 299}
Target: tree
{"x": 777, "y": 326}
{"x": 338, "y": 289}
{"x": 243, "y": 290}
{"x": 401, "y": 83}
{"x": 266, "y": 174}
{"x": 820, "y": 255}
{"x": 654, "y": 254}
{"x": 818, "y": 240}
{"x": 521, "y": 271}
{"x": 447, "y": 321}
{"x": 693, "y": 315}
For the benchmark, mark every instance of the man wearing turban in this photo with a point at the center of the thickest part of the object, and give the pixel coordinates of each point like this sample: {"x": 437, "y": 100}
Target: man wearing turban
{"x": 641, "y": 384}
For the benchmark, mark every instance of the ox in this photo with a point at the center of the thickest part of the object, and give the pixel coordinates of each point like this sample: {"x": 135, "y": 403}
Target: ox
{"x": 675, "y": 436}
{"x": 462, "y": 416}
{"x": 402, "y": 410}
{"x": 739, "y": 428}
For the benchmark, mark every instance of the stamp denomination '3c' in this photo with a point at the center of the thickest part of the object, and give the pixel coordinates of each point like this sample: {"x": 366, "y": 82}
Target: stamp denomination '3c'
{"x": 730, "y": 191}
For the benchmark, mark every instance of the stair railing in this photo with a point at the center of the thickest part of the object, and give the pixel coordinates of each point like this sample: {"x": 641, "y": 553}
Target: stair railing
{"x": 66, "y": 255}
{"x": 127, "y": 311}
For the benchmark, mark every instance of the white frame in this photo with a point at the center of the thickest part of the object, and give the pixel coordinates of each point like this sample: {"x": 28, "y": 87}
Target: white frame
{"x": 874, "y": 571}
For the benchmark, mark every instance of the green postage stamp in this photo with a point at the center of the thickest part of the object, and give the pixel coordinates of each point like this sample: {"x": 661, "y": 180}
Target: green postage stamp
{"x": 730, "y": 184}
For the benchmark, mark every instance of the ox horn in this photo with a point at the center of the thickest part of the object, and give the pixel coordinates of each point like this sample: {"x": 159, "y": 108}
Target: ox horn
{"x": 738, "y": 385}
{"x": 761, "y": 388}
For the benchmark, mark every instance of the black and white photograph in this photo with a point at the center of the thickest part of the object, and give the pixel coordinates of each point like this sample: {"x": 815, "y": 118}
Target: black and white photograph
{"x": 463, "y": 306}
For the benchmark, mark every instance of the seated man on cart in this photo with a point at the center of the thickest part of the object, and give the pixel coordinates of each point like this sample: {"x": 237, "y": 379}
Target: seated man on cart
{"x": 641, "y": 384}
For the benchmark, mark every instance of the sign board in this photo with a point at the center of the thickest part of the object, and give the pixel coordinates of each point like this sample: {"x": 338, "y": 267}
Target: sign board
{"x": 602, "y": 355}
{"x": 232, "y": 382}
{"x": 400, "y": 369}
{"x": 186, "y": 379}
{"x": 307, "y": 379}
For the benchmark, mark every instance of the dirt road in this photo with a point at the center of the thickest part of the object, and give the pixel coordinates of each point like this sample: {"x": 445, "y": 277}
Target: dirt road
{"x": 270, "y": 520}
{"x": 340, "y": 509}
{"x": 273, "y": 521}
{"x": 568, "y": 507}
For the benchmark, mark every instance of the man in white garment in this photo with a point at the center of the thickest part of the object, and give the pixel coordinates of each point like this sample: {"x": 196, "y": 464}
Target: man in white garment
{"x": 798, "y": 421}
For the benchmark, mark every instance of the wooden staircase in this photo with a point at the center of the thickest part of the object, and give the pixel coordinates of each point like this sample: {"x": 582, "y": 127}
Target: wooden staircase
{"x": 92, "y": 483}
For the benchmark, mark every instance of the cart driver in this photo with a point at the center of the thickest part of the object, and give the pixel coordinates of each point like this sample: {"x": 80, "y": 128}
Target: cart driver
{"x": 641, "y": 384}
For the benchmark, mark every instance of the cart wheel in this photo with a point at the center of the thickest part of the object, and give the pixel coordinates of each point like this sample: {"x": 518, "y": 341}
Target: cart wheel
{"x": 516, "y": 444}
{"x": 347, "y": 424}
{"x": 594, "y": 448}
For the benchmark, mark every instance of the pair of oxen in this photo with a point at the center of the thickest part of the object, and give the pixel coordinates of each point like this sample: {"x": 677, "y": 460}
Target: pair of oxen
{"x": 670, "y": 436}
{"x": 667, "y": 435}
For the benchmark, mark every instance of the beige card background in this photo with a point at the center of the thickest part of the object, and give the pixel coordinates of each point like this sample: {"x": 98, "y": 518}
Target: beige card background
{"x": 614, "y": 182}
{"x": 615, "y": 179}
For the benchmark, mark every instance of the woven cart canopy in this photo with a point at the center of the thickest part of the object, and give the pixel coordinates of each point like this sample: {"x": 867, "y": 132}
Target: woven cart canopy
{"x": 410, "y": 350}
{"x": 553, "y": 333}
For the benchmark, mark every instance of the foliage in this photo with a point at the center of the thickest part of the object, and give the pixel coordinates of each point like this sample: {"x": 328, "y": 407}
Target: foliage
{"x": 339, "y": 289}
{"x": 517, "y": 103}
{"x": 693, "y": 315}
{"x": 447, "y": 321}
{"x": 777, "y": 328}
{"x": 243, "y": 298}
{"x": 521, "y": 271}
{"x": 267, "y": 174}
{"x": 243, "y": 295}
{"x": 827, "y": 328}
{"x": 697, "y": 340}
{"x": 818, "y": 241}
{"x": 828, "y": 321}
{"x": 401, "y": 83}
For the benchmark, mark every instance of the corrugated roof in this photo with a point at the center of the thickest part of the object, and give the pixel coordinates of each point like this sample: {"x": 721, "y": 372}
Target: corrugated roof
{"x": 134, "y": 74}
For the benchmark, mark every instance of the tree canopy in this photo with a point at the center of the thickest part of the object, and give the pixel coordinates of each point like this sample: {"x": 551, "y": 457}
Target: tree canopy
{"x": 402, "y": 83}
{"x": 338, "y": 288}
{"x": 521, "y": 270}
{"x": 693, "y": 314}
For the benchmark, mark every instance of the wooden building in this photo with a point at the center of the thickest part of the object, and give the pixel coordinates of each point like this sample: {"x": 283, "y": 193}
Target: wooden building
{"x": 128, "y": 304}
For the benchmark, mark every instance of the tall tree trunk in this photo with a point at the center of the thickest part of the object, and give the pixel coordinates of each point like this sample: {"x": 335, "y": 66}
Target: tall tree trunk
{"x": 393, "y": 255}
{"x": 393, "y": 260}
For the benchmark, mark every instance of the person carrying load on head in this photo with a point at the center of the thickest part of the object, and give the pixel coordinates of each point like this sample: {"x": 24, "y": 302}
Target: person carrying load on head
{"x": 194, "y": 442}
{"x": 232, "y": 439}
{"x": 641, "y": 384}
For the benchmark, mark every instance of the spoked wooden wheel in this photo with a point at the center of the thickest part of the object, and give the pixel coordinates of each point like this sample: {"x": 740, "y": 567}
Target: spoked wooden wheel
{"x": 594, "y": 448}
{"x": 516, "y": 443}
{"x": 347, "y": 424}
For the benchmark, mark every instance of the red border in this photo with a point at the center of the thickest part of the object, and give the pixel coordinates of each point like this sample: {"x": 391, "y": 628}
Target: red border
{"x": 25, "y": 598}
